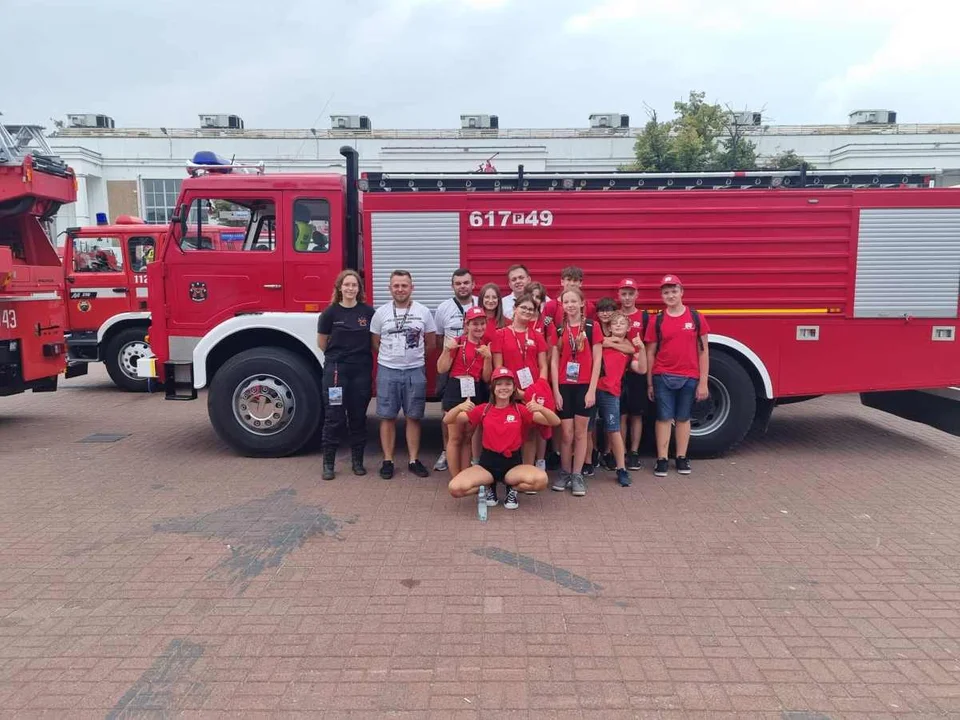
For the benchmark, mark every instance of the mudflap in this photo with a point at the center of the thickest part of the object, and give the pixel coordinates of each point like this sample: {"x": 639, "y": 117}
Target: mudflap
{"x": 76, "y": 369}
{"x": 939, "y": 409}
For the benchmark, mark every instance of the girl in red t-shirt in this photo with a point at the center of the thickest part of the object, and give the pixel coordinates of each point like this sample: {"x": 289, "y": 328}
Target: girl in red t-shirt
{"x": 575, "y": 356}
{"x": 469, "y": 361}
{"x": 492, "y": 304}
{"x": 504, "y": 423}
{"x": 524, "y": 351}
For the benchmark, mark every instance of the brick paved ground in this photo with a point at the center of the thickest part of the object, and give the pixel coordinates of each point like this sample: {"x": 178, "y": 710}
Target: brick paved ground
{"x": 813, "y": 574}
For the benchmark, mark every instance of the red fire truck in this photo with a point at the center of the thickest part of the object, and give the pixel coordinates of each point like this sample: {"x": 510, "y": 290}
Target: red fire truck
{"x": 814, "y": 282}
{"x": 33, "y": 185}
{"x": 105, "y": 270}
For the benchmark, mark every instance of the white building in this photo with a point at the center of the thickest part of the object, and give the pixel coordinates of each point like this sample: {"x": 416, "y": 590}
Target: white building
{"x": 138, "y": 170}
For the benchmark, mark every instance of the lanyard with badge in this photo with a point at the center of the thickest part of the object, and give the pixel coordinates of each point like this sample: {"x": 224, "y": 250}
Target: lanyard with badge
{"x": 573, "y": 367}
{"x": 524, "y": 376}
{"x": 468, "y": 387}
{"x": 398, "y": 339}
{"x": 335, "y": 392}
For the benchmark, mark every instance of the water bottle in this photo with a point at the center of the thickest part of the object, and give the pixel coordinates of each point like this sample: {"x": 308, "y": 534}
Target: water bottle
{"x": 482, "y": 504}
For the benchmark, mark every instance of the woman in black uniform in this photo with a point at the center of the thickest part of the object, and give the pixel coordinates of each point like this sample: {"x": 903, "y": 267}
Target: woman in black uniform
{"x": 343, "y": 334}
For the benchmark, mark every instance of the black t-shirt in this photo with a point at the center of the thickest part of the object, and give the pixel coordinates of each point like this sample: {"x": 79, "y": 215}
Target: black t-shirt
{"x": 349, "y": 333}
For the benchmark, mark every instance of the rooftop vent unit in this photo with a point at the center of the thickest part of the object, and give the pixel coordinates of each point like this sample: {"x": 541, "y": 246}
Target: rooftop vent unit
{"x": 350, "y": 122}
{"x": 89, "y": 120}
{"x": 609, "y": 120}
{"x": 225, "y": 122}
{"x": 873, "y": 117}
{"x": 479, "y": 122}
{"x": 745, "y": 117}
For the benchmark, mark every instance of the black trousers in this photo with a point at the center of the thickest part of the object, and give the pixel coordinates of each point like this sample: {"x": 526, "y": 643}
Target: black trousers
{"x": 349, "y": 418}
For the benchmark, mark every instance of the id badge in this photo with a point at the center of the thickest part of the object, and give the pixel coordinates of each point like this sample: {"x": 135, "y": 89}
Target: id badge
{"x": 573, "y": 372}
{"x": 468, "y": 388}
{"x": 395, "y": 343}
{"x": 335, "y": 395}
{"x": 525, "y": 377}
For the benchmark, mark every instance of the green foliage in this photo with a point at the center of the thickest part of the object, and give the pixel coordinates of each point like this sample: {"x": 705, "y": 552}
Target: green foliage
{"x": 702, "y": 137}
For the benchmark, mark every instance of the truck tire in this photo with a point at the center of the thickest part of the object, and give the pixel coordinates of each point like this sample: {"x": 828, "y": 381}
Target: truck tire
{"x": 725, "y": 421}
{"x": 120, "y": 356}
{"x": 265, "y": 402}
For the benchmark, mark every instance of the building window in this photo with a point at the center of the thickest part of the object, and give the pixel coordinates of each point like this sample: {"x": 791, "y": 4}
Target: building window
{"x": 159, "y": 199}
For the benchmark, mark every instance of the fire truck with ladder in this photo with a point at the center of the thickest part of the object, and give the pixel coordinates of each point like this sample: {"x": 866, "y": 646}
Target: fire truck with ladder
{"x": 814, "y": 282}
{"x": 34, "y": 184}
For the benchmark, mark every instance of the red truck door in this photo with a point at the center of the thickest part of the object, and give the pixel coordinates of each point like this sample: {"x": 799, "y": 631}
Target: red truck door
{"x": 97, "y": 276}
{"x": 208, "y": 282}
{"x": 314, "y": 254}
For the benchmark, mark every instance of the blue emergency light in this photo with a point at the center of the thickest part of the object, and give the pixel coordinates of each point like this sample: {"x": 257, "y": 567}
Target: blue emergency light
{"x": 102, "y": 219}
{"x": 212, "y": 161}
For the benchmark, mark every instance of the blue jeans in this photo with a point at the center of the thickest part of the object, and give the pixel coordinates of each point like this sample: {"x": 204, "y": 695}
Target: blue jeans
{"x": 608, "y": 407}
{"x": 401, "y": 390}
{"x": 675, "y": 395}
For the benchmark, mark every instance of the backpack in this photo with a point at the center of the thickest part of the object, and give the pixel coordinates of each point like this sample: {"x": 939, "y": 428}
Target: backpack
{"x": 696, "y": 324}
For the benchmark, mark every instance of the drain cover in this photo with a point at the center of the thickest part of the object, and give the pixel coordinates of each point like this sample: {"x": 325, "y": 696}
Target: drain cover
{"x": 104, "y": 437}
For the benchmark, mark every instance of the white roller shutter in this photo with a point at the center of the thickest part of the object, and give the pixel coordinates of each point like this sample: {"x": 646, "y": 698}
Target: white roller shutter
{"x": 908, "y": 263}
{"x": 427, "y": 244}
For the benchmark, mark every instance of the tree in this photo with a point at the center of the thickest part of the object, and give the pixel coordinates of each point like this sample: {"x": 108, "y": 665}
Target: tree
{"x": 702, "y": 137}
{"x": 787, "y": 160}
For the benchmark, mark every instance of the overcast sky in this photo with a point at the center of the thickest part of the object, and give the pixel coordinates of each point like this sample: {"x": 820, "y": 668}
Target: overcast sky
{"x": 421, "y": 63}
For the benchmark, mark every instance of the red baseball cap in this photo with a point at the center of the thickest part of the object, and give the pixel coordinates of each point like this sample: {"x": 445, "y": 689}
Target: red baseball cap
{"x": 502, "y": 372}
{"x": 671, "y": 280}
{"x": 627, "y": 283}
{"x": 473, "y": 313}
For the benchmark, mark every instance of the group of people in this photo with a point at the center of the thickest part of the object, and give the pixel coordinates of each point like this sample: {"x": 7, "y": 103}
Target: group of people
{"x": 516, "y": 374}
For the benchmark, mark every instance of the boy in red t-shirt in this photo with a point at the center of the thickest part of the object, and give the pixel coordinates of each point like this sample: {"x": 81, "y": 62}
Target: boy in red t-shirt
{"x": 679, "y": 362}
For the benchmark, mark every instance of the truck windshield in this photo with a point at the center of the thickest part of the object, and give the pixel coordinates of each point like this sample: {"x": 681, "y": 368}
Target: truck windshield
{"x": 223, "y": 224}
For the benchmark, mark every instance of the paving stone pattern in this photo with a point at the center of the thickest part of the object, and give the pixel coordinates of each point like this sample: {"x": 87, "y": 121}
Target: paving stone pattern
{"x": 812, "y": 574}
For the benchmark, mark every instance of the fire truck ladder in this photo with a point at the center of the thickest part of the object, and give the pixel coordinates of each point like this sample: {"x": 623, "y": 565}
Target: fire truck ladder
{"x": 19, "y": 141}
{"x": 573, "y": 182}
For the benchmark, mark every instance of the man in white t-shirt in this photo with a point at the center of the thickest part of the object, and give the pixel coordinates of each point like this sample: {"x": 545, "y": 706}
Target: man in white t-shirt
{"x": 449, "y": 321}
{"x": 518, "y": 277}
{"x": 403, "y": 332}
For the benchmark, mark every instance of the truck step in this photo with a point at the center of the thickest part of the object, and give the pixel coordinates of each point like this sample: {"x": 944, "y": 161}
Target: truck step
{"x": 178, "y": 383}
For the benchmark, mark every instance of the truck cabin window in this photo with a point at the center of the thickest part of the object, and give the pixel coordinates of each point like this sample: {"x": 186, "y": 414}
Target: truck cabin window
{"x": 311, "y": 226}
{"x": 140, "y": 250}
{"x": 97, "y": 255}
{"x": 225, "y": 225}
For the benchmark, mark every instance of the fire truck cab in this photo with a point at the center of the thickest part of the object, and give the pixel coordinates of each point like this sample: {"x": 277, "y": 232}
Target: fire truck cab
{"x": 34, "y": 184}
{"x": 105, "y": 272}
{"x": 813, "y": 282}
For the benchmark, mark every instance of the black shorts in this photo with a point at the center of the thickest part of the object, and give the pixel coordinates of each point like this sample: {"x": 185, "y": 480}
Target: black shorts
{"x": 575, "y": 402}
{"x": 498, "y": 464}
{"x": 451, "y": 394}
{"x": 633, "y": 395}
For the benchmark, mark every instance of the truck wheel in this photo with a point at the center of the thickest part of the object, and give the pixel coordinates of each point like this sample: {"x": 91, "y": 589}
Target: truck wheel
{"x": 265, "y": 402}
{"x": 121, "y": 355}
{"x": 720, "y": 424}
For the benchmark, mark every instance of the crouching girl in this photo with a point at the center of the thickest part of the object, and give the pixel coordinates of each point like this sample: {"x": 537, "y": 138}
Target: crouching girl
{"x": 505, "y": 424}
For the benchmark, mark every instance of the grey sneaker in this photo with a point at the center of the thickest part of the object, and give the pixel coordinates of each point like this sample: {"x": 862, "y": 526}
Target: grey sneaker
{"x": 562, "y": 482}
{"x": 578, "y": 485}
{"x": 441, "y": 463}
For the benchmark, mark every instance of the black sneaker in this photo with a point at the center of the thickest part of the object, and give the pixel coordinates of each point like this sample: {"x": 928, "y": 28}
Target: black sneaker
{"x": 609, "y": 462}
{"x": 623, "y": 477}
{"x": 492, "y": 496}
{"x": 633, "y": 461}
{"x": 511, "y": 502}
{"x": 595, "y": 457}
{"x": 587, "y": 470}
{"x": 683, "y": 465}
{"x": 386, "y": 469}
{"x": 418, "y": 469}
{"x": 660, "y": 470}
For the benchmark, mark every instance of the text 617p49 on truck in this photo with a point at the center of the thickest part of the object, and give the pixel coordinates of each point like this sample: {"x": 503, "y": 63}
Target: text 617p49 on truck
{"x": 815, "y": 281}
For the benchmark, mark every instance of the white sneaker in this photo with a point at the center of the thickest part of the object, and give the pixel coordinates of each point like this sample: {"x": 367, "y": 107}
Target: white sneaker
{"x": 441, "y": 463}
{"x": 541, "y": 465}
